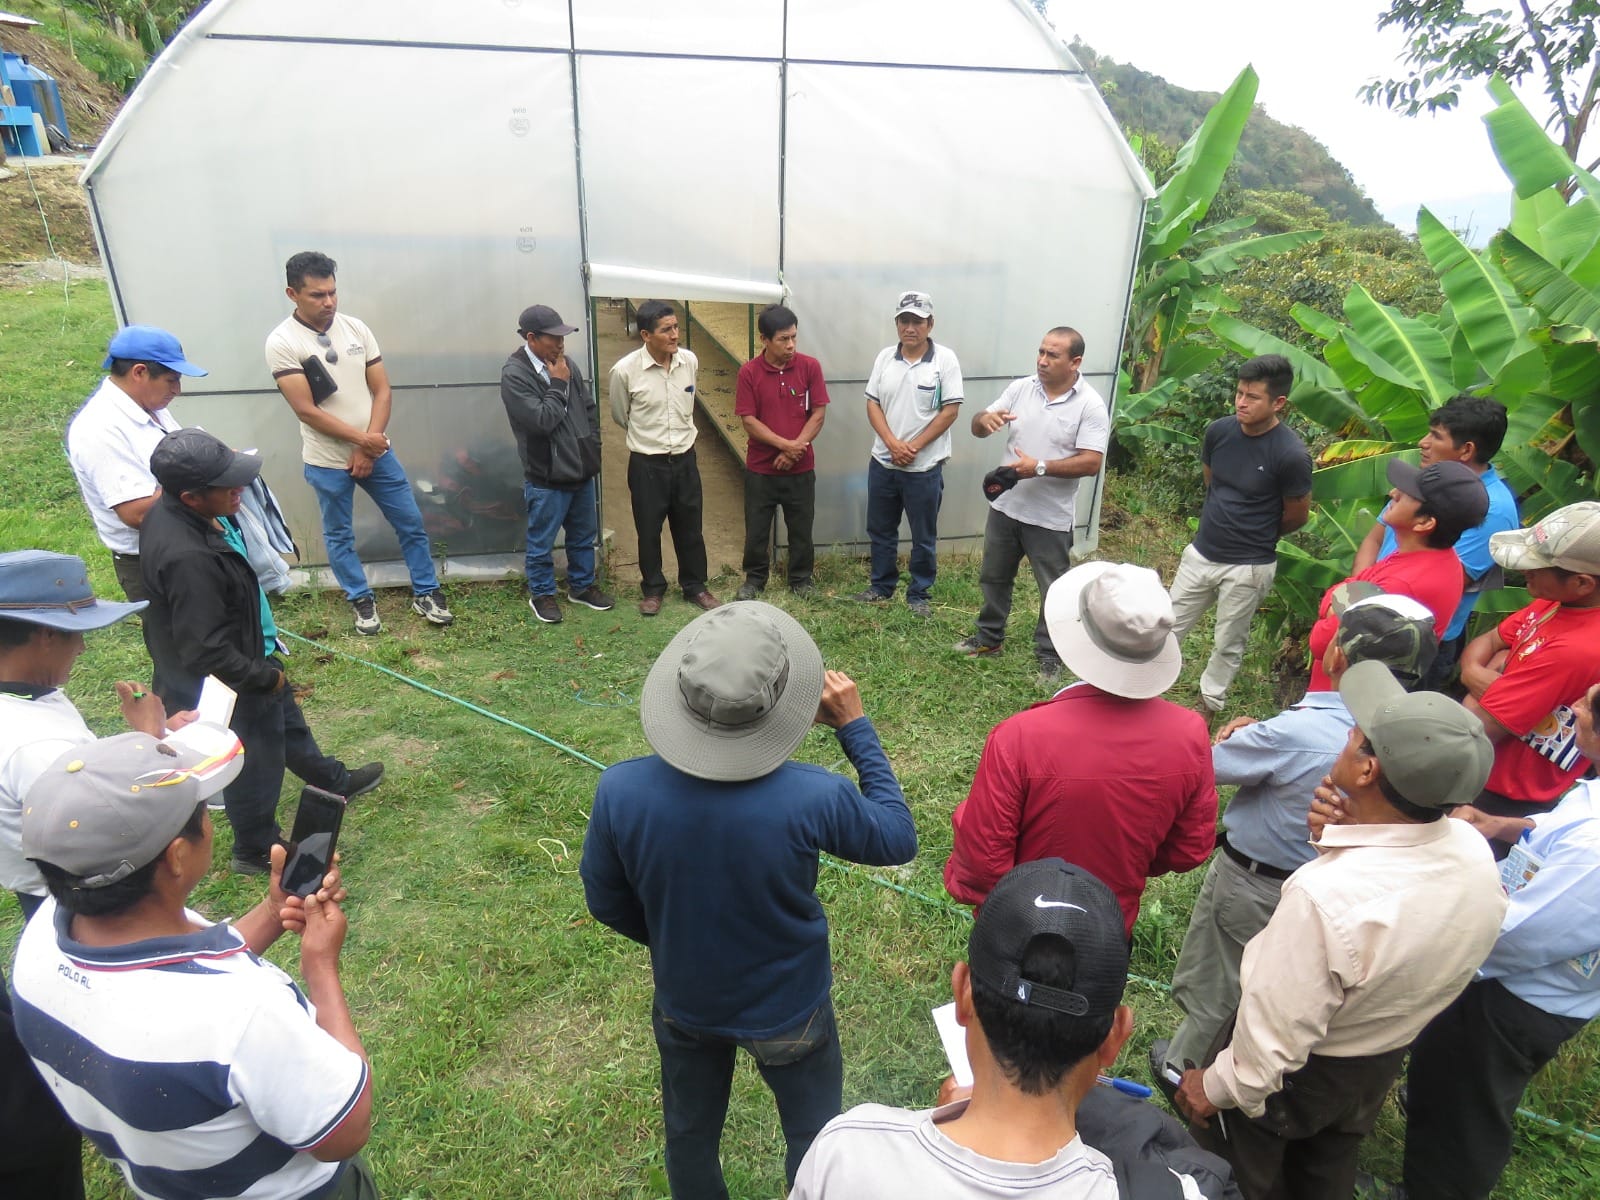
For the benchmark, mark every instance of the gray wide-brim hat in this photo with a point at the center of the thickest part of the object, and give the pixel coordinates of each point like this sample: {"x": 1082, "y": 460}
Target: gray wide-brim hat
{"x": 1111, "y": 623}
{"x": 44, "y": 588}
{"x": 734, "y": 693}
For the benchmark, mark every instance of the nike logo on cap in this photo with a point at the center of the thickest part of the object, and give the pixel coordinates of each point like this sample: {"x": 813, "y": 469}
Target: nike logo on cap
{"x": 1040, "y": 902}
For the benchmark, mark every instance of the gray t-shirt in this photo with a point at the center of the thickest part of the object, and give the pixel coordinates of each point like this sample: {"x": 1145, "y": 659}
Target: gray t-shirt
{"x": 1250, "y": 479}
{"x": 874, "y": 1152}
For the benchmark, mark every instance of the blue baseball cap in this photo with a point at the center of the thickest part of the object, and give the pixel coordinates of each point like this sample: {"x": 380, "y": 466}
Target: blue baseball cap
{"x": 146, "y": 343}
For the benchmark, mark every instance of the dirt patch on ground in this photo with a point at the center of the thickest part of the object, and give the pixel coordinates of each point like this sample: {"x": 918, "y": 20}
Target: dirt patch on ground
{"x": 43, "y": 215}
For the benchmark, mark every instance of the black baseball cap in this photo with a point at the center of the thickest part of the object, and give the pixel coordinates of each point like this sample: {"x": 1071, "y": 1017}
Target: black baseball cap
{"x": 190, "y": 459}
{"x": 1449, "y": 489}
{"x": 541, "y": 318}
{"x": 1053, "y": 898}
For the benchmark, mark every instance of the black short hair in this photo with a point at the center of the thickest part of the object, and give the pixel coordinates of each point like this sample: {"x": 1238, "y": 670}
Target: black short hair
{"x": 1074, "y": 339}
{"x": 1413, "y": 812}
{"x": 1480, "y": 420}
{"x": 121, "y": 366}
{"x": 311, "y": 264}
{"x": 113, "y": 897}
{"x": 14, "y": 633}
{"x": 651, "y": 313}
{"x": 1033, "y": 1046}
{"x": 774, "y": 319}
{"x": 1447, "y": 528}
{"x": 1276, "y": 371}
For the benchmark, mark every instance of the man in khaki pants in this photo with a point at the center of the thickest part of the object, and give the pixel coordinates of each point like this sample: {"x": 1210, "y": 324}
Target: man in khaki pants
{"x": 1258, "y": 488}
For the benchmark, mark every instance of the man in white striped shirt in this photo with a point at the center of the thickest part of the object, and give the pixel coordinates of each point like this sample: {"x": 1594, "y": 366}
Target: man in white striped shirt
{"x": 195, "y": 1066}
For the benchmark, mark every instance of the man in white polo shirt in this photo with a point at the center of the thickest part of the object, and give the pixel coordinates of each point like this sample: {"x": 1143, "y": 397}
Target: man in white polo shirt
{"x": 328, "y": 366}
{"x": 110, "y": 438}
{"x": 913, "y": 397}
{"x": 1057, "y": 429}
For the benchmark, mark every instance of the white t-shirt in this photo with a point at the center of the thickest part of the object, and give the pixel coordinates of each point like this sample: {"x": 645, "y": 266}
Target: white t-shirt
{"x": 911, "y": 395}
{"x": 1048, "y": 430}
{"x": 109, "y": 443}
{"x": 33, "y": 734}
{"x": 874, "y": 1151}
{"x": 291, "y": 343}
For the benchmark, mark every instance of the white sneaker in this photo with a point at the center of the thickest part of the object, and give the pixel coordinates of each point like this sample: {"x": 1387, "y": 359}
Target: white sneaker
{"x": 367, "y": 621}
{"x": 432, "y": 607}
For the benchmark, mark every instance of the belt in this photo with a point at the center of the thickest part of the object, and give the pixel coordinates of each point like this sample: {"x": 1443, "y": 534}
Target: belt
{"x": 689, "y": 453}
{"x": 1265, "y": 870}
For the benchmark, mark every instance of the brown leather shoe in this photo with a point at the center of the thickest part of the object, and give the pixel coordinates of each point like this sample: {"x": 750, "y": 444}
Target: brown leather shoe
{"x": 705, "y": 600}
{"x": 650, "y": 605}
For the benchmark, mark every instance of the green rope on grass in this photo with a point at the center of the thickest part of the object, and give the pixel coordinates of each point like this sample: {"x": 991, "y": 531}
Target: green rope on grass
{"x": 852, "y": 868}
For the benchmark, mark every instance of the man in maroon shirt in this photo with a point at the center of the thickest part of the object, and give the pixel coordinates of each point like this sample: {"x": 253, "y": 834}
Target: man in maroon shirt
{"x": 1105, "y": 774}
{"x": 780, "y": 397}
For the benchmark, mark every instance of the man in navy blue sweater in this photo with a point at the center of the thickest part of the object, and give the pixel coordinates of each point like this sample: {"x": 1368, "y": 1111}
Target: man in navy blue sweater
{"x": 706, "y": 852}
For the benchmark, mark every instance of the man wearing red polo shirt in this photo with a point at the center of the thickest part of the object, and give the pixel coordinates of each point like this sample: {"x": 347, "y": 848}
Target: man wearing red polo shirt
{"x": 780, "y": 397}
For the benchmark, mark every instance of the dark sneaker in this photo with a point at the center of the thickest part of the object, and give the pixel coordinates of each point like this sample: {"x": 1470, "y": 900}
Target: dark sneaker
{"x": 920, "y": 608}
{"x": 747, "y": 591}
{"x": 1158, "y": 1069}
{"x": 591, "y": 597}
{"x": 804, "y": 590}
{"x": 250, "y": 864}
{"x": 432, "y": 606}
{"x": 1049, "y": 667}
{"x": 546, "y": 609}
{"x": 367, "y": 621}
{"x": 869, "y": 597}
{"x": 973, "y": 648}
{"x": 364, "y": 779}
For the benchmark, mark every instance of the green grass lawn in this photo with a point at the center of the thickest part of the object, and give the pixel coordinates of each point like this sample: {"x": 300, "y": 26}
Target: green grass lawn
{"x": 509, "y": 1032}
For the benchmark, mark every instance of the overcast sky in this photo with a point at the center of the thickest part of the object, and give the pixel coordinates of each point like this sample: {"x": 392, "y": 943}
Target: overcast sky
{"x": 1312, "y": 58}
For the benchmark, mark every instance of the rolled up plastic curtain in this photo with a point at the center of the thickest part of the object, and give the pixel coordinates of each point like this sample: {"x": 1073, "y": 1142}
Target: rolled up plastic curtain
{"x": 607, "y": 280}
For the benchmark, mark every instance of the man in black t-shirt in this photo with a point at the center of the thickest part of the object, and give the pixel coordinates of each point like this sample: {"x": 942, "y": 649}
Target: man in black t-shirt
{"x": 1258, "y": 488}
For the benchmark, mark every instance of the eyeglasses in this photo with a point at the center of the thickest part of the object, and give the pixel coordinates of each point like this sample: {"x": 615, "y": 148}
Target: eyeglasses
{"x": 326, "y": 343}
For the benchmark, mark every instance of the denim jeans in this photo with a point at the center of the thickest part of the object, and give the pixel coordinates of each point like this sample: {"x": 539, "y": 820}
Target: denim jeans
{"x": 918, "y": 495}
{"x": 550, "y": 511}
{"x": 803, "y": 1066}
{"x": 391, "y": 492}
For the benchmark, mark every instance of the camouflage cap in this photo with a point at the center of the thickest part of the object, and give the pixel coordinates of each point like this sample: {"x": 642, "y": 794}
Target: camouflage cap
{"x": 1396, "y": 631}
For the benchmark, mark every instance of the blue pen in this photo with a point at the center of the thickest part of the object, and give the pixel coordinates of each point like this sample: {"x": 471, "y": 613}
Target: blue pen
{"x": 1126, "y": 1086}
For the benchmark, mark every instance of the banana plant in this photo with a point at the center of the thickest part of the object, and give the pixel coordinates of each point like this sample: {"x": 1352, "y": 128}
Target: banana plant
{"x": 1520, "y": 322}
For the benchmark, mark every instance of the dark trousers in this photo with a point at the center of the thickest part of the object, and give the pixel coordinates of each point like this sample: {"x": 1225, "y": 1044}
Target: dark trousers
{"x": 1304, "y": 1146}
{"x": 275, "y": 736}
{"x": 666, "y": 487}
{"x": 1005, "y": 542}
{"x": 764, "y": 495}
{"x": 127, "y": 568}
{"x": 802, "y": 1066}
{"x": 1468, "y": 1071}
{"x": 918, "y": 495}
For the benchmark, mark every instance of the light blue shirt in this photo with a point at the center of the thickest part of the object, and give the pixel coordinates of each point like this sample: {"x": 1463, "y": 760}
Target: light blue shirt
{"x": 1548, "y": 952}
{"x": 1277, "y": 764}
{"x": 1473, "y": 548}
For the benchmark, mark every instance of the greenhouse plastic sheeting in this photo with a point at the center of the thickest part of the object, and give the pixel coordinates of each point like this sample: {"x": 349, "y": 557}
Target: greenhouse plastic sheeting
{"x": 463, "y": 160}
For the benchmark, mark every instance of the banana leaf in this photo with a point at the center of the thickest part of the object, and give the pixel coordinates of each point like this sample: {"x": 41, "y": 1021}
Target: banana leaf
{"x": 1316, "y": 322}
{"x": 1200, "y": 165}
{"x": 1531, "y": 160}
{"x": 1553, "y": 292}
{"x": 1318, "y": 392}
{"x": 1229, "y": 256}
{"x": 1361, "y": 479}
{"x": 1401, "y": 349}
{"x": 1492, "y": 319}
{"x": 1528, "y": 420}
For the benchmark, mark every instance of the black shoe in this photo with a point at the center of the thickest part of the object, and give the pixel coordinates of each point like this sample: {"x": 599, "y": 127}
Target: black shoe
{"x": 363, "y": 780}
{"x": 250, "y": 864}
{"x": 546, "y": 609}
{"x": 1158, "y": 1070}
{"x": 590, "y": 597}
{"x": 1049, "y": 666}
{"x": 747, "y": 591}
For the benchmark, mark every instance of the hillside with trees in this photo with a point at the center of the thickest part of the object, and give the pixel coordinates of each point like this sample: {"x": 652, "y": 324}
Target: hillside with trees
{"x": 1273, "y": 157}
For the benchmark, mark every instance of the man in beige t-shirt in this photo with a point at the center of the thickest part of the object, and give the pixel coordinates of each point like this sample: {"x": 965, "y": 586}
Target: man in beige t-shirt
{"x": 652, "y": 397}
{"x": 330, "y": 370}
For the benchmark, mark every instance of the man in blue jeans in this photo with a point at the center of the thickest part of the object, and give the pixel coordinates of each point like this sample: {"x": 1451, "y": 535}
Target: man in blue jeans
{"x": 706, "y": 852}
{"x": 913, "y": 397}
{"x": 557, "y": 426}
{"x": 329, "y": 368}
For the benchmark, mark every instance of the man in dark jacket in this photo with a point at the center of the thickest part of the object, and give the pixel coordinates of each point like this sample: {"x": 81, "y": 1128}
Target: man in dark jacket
{"x": 706, "y": 852}
{"x": 208, "y": 616}
{"x": 556, "y": 424}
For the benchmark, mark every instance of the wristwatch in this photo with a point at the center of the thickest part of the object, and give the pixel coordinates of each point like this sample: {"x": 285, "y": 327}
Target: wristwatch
{"x": 1038, "y": 469}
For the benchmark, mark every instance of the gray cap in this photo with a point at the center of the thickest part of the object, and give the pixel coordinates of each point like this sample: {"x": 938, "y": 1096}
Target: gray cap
{"x": 1568, "y": 538}
{"x": 187, "y": 460}
{"x": 1432, "y": 750}
{"x": 106, "y": 808}
{"x": 43, "y": 588}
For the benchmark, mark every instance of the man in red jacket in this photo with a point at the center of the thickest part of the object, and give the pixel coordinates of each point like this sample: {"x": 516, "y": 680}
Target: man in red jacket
{"x": 1104, "y": 774}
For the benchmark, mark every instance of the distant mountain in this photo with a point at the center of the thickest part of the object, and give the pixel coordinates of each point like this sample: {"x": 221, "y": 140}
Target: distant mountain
{"x": 1272, "y": 156}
